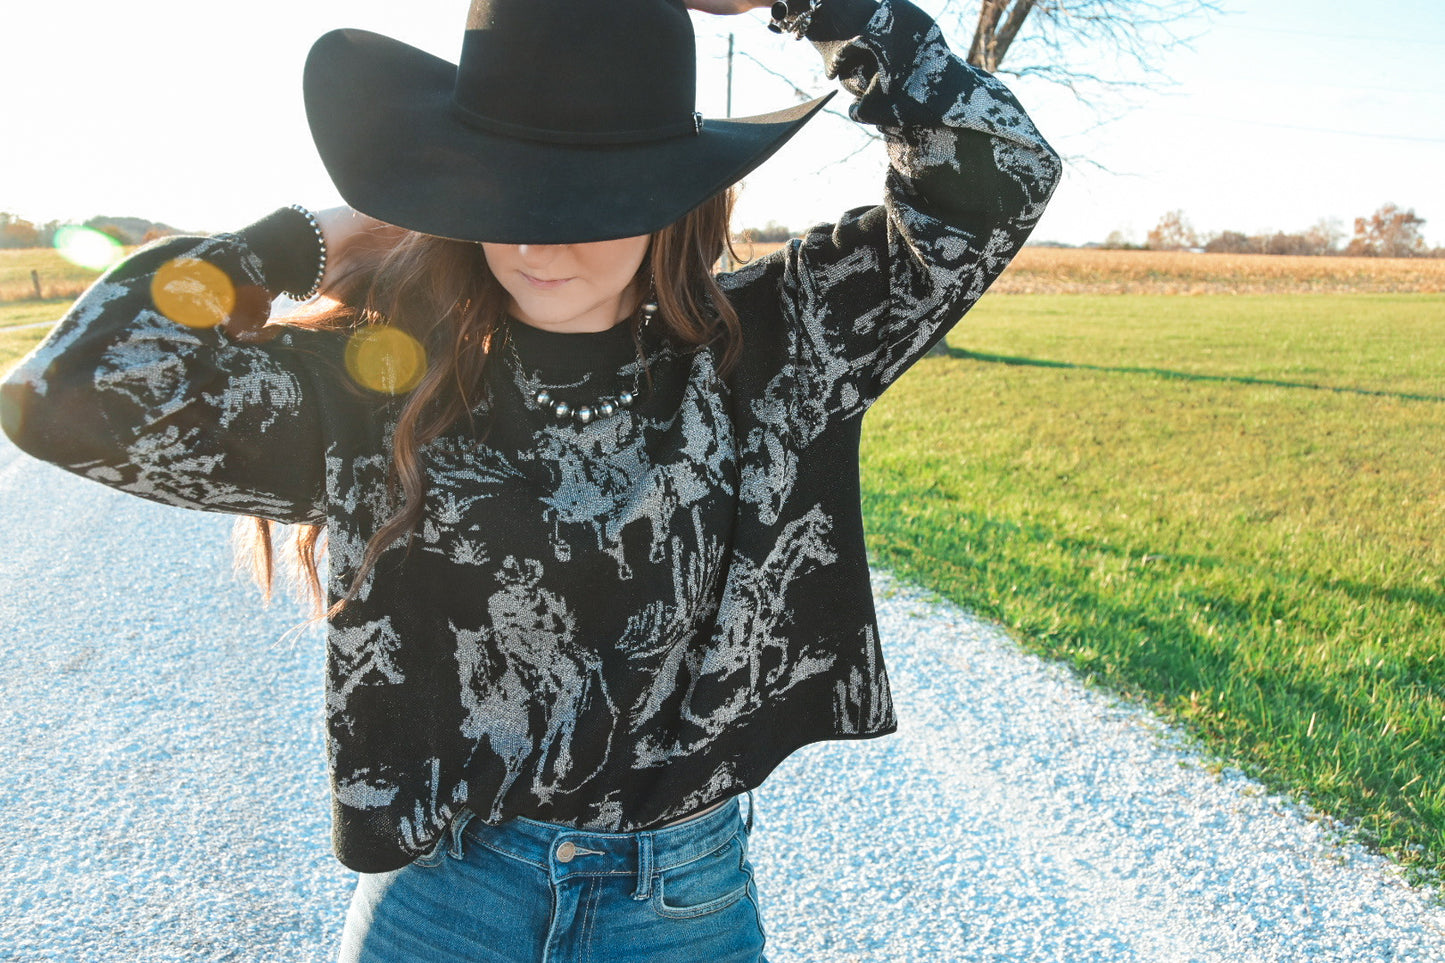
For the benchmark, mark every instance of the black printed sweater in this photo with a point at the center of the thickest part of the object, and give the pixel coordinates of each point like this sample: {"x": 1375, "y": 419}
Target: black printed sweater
{"x": 610, "y": 625}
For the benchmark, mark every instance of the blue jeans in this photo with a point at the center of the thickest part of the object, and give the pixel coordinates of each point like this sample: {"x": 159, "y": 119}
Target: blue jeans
{"x": 534, "y": 892}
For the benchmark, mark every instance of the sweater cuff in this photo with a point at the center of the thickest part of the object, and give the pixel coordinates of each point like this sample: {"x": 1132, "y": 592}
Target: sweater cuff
{"x": 841, "y": 20}
{"x": 287, "y": 247}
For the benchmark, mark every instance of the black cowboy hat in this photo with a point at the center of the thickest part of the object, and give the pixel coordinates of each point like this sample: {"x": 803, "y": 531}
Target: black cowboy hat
{"x": 565, "y": 121}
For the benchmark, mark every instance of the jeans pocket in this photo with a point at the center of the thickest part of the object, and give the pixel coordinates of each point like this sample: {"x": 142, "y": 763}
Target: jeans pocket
{"x": 705, "y": 885}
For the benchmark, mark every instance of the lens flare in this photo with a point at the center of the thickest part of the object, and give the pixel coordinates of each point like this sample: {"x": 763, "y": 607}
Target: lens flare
{"x": 193, "y": 292}
{"x": 87, "y": 247}
{"x": 385, "y": 359}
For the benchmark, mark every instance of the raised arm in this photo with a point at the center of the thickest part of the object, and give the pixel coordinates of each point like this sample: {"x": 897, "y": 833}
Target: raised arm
{"x": 969, "y": 176}
{"x": 122, "y": 394}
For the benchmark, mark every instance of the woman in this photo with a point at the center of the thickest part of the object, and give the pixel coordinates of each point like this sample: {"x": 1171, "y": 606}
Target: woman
{"x": 595, "y": 560}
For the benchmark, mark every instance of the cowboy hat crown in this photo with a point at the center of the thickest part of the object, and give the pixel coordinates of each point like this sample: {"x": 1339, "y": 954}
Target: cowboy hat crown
{"x": 564, "y": 121}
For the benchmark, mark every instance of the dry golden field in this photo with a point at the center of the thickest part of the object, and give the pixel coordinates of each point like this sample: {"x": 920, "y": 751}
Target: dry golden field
{"x": 1036, "y": 270}
{"x": 1043, "y": 270}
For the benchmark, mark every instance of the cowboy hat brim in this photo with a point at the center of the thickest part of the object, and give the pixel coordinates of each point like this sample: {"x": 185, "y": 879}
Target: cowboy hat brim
{"x": 382, "y": 117}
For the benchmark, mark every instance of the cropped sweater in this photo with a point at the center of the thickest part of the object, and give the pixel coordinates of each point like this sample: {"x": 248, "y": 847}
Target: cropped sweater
{"x": 607, "y": 625}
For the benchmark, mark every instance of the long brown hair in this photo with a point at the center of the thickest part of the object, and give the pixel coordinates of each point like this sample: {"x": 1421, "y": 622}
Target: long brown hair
{"x": 441, "y": 293}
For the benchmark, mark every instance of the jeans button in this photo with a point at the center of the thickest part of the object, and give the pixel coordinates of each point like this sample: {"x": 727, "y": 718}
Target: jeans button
{"x": 565, "y": 852}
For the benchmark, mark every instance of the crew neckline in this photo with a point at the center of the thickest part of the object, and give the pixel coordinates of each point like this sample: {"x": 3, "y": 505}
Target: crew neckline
{"x": 571, "y": 353}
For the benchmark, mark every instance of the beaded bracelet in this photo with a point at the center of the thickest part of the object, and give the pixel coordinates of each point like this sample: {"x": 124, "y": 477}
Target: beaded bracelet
{"x": 785, "y": 21}
{"x": 320, "y": 267}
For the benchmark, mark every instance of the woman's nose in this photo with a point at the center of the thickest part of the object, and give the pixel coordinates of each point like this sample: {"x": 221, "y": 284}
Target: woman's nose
{"x": 537, "y": 253}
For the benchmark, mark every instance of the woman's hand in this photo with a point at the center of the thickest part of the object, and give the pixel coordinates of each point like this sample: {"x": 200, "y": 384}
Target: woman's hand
{"x": 727, "y": 6}
{"x": 353, "y": 239}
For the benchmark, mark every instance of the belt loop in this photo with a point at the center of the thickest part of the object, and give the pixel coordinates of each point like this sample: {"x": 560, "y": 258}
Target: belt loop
{"x": 459, "y": 823}
{"x": 644, "y": 867}
{"x": 752, "y": 808}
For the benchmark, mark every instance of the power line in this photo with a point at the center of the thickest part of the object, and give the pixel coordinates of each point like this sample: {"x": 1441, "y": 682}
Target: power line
{"x": 1313, "y": 85}
{"x": 1349, "y": 38}
{"x": 1316, "y": 130}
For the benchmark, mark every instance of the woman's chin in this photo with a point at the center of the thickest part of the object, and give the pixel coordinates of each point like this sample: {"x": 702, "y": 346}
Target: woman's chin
{"x": 566, "y": 322}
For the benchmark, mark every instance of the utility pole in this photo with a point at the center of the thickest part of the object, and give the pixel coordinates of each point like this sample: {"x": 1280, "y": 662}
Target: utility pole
{"x": 727, "y": 254}
{"x": 730, "y": 75}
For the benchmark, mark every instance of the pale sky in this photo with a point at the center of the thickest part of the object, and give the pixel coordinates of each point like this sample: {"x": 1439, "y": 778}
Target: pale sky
{"x": 1284, "y": 113}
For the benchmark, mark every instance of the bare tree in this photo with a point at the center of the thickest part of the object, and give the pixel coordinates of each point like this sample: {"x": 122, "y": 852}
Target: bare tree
{"x": 995, "y": 33}
{"x": 1128, "y": 35}
{"x": 1119, "y": 240}
{"x": 17, "y": 232}
{"x": 1321, "y": 239}
{"x": 1046, "y": 36}
{"x": 1172, "y": 233}
{"x": 1100, "y": 50}
{"x": 1325, "y": 236}
{"x": 1231, "y": 242}
{"x": 1389, "y": 232}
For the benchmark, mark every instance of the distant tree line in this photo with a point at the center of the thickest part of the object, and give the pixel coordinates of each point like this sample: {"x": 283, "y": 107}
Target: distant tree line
{"x": 770, "y": 233}
{"x": 15, "y": 231}
{"x": 1389, "y": 232}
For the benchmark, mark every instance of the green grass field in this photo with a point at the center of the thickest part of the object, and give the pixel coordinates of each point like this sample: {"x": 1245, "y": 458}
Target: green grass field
{"x": 1230, "y": 506}
{"x": 32, "y": 312}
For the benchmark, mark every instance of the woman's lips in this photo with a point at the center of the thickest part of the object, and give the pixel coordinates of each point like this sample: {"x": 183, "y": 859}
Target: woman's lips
{"x": 544, "y": 284}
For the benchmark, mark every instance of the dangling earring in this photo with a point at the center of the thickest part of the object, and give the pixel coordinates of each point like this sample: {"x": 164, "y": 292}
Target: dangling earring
{"x": 648, "y": 308}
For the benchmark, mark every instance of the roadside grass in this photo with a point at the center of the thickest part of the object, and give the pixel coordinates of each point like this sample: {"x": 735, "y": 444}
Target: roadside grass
{"x": 15, "y": 344}
{"x": 1155, "y": 491}
{"x": 33, "y": 312}
{"x": 59, "y": 278}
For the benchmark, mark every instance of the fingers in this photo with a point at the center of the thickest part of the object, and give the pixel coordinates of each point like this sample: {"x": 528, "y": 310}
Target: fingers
{"x": 247, "y": 321}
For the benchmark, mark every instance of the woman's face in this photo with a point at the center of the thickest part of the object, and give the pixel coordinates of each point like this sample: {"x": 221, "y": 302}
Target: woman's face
{"x": 569, "y": 288}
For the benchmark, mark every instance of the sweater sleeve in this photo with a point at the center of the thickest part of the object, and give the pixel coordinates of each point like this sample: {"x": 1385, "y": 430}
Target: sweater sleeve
{"x": 968, "y": 178}
{"x": 122, "y": 394}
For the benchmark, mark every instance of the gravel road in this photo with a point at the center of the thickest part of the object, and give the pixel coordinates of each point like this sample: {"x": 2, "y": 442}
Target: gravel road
{"x": 164, "y": 786}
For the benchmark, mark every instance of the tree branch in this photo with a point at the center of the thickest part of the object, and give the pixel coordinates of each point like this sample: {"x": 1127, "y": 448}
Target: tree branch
{"x": 801, "y": 94}
{"x": 1011, "y": 27}
{"x": 798, "y": 92}
{"x": 980, "y": 52}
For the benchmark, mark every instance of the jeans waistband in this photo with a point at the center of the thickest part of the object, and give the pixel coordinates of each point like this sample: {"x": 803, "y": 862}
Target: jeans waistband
{"x": 563, "y": 852}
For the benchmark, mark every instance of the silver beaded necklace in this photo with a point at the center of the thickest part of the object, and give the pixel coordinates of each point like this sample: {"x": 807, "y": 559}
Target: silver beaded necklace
{"x": 545, "y": 399}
